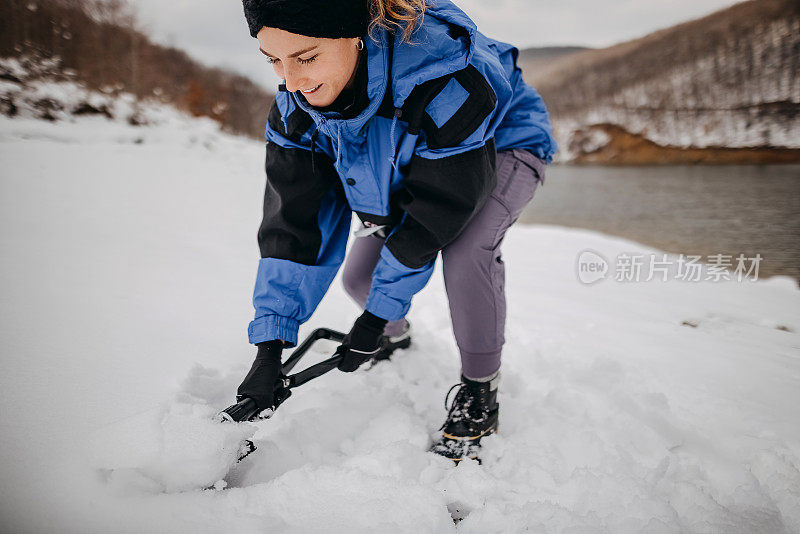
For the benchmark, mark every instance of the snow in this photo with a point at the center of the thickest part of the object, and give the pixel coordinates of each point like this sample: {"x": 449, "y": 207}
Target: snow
{"x": 128, "y": 260}
{"x": 173, "y": 448}
{"x": 39, "y": 88}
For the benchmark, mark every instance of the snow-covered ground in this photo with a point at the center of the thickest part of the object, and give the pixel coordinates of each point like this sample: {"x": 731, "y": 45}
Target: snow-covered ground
{"x": 128, "y": 257}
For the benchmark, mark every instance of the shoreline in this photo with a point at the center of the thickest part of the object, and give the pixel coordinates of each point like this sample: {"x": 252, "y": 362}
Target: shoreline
{"x": 626, "y": 148}
{"x": 766, "y": 269}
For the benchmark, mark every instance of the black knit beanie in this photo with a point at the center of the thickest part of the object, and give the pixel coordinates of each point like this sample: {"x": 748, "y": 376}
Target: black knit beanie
{"x": 332, "y": 19}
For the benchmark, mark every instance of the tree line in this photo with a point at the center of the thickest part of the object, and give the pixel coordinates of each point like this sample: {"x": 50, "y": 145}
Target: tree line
{"x": 98, "y": 43}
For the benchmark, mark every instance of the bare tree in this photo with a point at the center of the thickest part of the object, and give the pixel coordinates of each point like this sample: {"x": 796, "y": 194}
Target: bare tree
{"x": 100, "y": 41}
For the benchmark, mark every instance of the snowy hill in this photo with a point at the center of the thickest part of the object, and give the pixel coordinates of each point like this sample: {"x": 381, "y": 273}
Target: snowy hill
{"x": 128, "y": 259}
{"x": 722, "y": 88}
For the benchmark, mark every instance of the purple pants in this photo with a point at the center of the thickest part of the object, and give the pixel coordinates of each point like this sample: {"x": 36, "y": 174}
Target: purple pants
{"x": 474, "y": 272}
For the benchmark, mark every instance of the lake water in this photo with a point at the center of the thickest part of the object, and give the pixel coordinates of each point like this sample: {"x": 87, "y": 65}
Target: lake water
{"x": 689, "y": 209}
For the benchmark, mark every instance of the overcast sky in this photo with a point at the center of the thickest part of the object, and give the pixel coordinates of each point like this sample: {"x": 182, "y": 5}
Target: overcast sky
{"x": 215, "y": 32}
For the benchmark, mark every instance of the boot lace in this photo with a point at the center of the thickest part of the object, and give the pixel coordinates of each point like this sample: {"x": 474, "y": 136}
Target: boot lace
{"x": 459, "y": 408}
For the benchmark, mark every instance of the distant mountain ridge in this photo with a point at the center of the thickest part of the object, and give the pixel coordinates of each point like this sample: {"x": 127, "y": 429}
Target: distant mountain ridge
{"x": 549, "y": 52}
{"x": 728, "y": 82}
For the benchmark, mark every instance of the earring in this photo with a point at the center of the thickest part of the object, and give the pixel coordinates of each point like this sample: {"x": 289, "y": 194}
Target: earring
{"x": 360, "y": 44}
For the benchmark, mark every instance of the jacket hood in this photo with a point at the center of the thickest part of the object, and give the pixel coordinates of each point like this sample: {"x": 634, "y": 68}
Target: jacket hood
{"x": 443, "y": 44}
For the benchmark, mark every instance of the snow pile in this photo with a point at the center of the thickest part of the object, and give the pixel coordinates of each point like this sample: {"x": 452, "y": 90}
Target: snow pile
{"x": 322, "y": 499}
{"x": 173, "y": 448}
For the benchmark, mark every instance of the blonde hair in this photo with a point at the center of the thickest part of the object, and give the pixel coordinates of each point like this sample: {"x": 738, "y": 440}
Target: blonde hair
{"x": 392, "y": 14}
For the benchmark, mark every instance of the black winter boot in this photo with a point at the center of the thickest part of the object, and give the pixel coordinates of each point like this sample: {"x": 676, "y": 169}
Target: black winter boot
{"x": 471, "y": 416}
{"x": 389, "y": 344}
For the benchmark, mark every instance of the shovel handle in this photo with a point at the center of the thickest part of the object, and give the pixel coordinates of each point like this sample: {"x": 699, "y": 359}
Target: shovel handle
{"x": 298, "y": 379}
{"x": 246, "y": 409}
{"x": 313, "y": 337}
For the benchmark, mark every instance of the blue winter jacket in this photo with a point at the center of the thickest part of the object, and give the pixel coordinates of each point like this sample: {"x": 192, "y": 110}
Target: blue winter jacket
{"x": 419, "y": 161}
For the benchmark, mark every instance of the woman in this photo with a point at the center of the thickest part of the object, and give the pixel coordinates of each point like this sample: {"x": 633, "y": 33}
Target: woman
{"x": 405, "y": 114}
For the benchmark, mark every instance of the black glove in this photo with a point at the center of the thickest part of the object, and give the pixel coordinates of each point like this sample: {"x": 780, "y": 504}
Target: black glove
{"x": 362, "y": 343}
{"x": 259, "y": 384}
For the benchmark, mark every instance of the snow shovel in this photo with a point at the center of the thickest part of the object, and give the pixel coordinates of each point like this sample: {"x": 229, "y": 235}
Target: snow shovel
{"x": 247, "y": 410}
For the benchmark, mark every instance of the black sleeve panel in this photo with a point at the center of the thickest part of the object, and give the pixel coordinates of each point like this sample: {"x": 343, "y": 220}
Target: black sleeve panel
{"x": 440, "y": 198}
{"x": 292, "y": 200}
{"x": 466, "y": 119}
{"x": 297, "y": 123}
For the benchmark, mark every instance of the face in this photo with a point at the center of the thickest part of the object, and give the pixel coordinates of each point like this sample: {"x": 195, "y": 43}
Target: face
{"x": 320, "y": 68}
